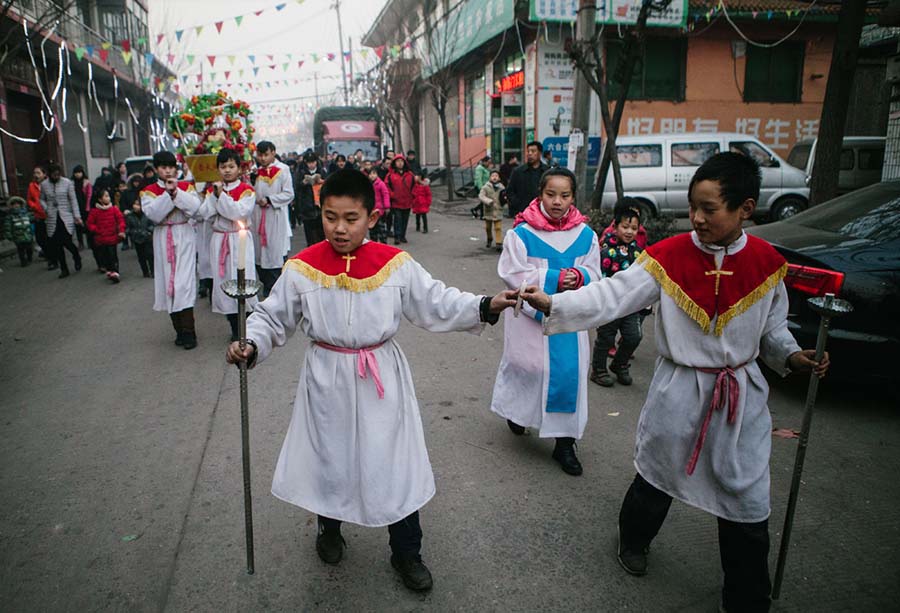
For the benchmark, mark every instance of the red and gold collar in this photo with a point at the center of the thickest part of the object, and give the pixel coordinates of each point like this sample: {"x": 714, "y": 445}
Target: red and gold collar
{"x": 363, "y": 270}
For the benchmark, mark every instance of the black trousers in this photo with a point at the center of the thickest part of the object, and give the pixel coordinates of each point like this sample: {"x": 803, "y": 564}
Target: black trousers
{"x": 743, "y": 548}
{"x": 26, "y": 253}
{"x": 313, "y": 230}
{"x": 63, "y": 240}
{"x": 268, "y": 277}
{"x": 630, "y": 327}
{"x": 422, "y": 218}
{"x": 401, "y": 220}
{"x": 145, "y": 256}
{"x": 108, "y": 257}
{"x": 405, "y": 535}
{"x": 40, "y": 237}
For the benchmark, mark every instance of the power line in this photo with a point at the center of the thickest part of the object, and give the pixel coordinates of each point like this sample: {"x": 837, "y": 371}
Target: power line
{"x": 765, "y": 45}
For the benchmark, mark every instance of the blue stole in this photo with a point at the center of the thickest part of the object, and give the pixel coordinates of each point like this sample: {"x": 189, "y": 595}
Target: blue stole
{"x": 562, "y": 389}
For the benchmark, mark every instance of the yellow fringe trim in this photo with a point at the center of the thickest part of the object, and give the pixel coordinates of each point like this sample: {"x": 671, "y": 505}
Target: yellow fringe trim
{"x": 750, "y": 299}
{"x": 268, "y": 180}
{"x": 344, "y": 281}
{"x": 678, "y": 295}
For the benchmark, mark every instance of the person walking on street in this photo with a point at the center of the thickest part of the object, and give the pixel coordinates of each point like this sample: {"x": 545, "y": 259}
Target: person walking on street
{"x": 39, "y": 175}
{"x": 400, "y": 182}
{"x": 422, "y": 201}
{"x": 482, "y": 176}
{"x": 83, "y": 191}
{"x": 524, "y": 182}
{"x": 107, "y": 226}
{"x": 17, "y": 228}
{"x": 139, "y": 228}
{"x": 413, "y": 162}
{"x": 506, "y": 169}
{"x": 61, "y": 205}
{"x": 493, "y": 210}
{"x": 310, "y": 176}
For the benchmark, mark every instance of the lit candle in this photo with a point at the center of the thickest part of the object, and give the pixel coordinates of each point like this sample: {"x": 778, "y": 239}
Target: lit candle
{"x": 242, "y": 247}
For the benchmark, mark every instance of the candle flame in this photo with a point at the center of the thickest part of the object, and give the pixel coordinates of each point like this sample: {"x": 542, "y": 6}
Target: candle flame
{"x": 241, "y": 225}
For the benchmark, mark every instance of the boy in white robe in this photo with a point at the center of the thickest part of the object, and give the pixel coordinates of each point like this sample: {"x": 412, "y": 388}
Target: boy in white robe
{"x": 704, "y": 433}
{"x": 542, "y": 382}
{"x": 169, "y": 204}
{"x": 355, "y": 449}
{"x": 274, "y": 193}
{"x": 228, "y": 206}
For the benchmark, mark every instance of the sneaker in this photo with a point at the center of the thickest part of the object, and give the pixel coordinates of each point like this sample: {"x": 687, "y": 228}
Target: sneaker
{"x": 602, "y": 378}
{"x": 622, "y": 374}
{"x": 413, "y": 571}
{"x": 114, "y": 277}
{"x": 330, "y": 546}
{"x": 515, "y": 428}
{"x": 568, "y": 461}
{"x": 634, "y": 562}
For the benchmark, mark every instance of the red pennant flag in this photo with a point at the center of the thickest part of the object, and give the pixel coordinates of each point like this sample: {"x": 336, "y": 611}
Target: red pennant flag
{"x": 104, "y": 54}
{"x": 219, "y": 26}
{"x": 271, "y": 66}
{"x": 257, "y": 13}
{"x": 171, "y": 58}
{"x": 159, "y": 38}
{"x": 271, "y": 57}
{"x": 300, "y": 64}
{"x": 227, "y": 73}
{"x": 379, "y": 51}
{"x": 212, "y": 60}
{"x": 126, "y": 45}
{"x": 199, "y": 78}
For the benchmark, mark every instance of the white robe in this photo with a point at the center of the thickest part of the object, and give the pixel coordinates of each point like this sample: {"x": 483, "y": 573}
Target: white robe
{"x": 203, "y": 228}
{"x": 173, "y": 215}
{"x": 542, "y": 382}
{"x": 347, "y": 454}
{"x": 731, "y": 478}
{"x": 280, "y": 192}
{"x": 224, "y": 213}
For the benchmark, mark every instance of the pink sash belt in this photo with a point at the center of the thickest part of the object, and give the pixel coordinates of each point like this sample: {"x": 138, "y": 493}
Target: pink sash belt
{"x": 170, "y": 254}
{"x": 263, "y": 239}
{"x": 726, "y": 393}
{"x": 224, "y": 250}
{"x": 364, "y": 358}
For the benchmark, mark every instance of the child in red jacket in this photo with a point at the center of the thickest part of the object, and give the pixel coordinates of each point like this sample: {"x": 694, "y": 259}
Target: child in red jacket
{"x": 422, "y": 201}
{"x": 107, "y": 224}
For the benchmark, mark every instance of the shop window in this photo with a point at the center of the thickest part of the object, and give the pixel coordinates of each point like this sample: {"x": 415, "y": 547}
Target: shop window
{"x": 774, "y": 74}
{"x": 475, "y": 105}
{"x": 693, "y": 154}
{"x": 639, "y": 156}
{"x": 659, "y": 72}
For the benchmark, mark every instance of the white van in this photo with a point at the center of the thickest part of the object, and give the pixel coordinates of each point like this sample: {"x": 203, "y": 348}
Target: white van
{"x": 861, "y": 162}
{"x": 657, "y": 170}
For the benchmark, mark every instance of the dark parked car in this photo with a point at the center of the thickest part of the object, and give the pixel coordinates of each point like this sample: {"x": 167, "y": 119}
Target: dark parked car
{"x": 849, "y": 246}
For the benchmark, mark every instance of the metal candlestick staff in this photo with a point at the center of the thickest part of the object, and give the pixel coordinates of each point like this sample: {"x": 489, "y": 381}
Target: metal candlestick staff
{"x": 242, "y": 289}
{"x": 827, "y": 307}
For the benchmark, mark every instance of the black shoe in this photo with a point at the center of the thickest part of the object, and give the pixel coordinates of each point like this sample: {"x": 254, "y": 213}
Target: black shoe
{"x": 515, "y": 428}
{"x": 622, "y": 374}
{"x": 565, "y": 455}
{"x": 146, "y": 275}
{"x": 634, "y": 562}
{"x": 601, "y": 377}
{"x": 189, "y": 340}
{"x": 396, "y": 241}
{"x": 488, "y": 244}
{"x": 413, "y": 571}
{"x": 52, "y": 266}
{"x": 64, "y": 274}
{"x": 78, "y": 264}
{"x": 179, "y": 339}
{"x": 425, "y": 231}
{"x": 403, "y": 240}
{"x": 330, "y": 546}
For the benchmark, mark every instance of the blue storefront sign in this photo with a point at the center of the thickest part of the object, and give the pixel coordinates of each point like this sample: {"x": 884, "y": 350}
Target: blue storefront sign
{"x": 558, "y": 146}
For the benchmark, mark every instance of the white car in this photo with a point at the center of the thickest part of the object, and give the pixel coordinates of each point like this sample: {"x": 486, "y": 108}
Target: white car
{"x": 657, "y": 170}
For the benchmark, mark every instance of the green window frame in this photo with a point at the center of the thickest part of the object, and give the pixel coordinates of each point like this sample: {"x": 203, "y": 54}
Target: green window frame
{"x": 774, "y": 74}
{"x": 659, "y": 72}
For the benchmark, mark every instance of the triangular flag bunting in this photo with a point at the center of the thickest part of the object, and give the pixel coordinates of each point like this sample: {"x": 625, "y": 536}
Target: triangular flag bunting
{"x": 238, "y": 20}
{"x": 241, "y": 72}
{"x": 104, "y": 54}
{"x": 142, "y": 40}
{"x": 199, "y": 78}
{"x": 227, "y": 74}
{"x": 106, "y": 45}
{"x": 257, "y": 13}
{"x": 170, "y": 58}
{"x": 89, "y": 49}
{"x": 255, "y": 70}
{"x": 145, "y": 80}
{"x": 198, "y": 30}
{"x": 190, "y": 59}
{"x": 252, "y": 59}
{"x": 364, "y": 53}
{"x": 330, "y": 57}
{"x": 284, "y": 66}
{"x": 148, "y": 57}
{"x": 212, "y": 60}
{"x": 79, "y": 52}
{"x": 290, "y": 56}
{"x": 212, "y": 76}
{"x": 219, "y": 26}
{"x": 231, "y": 59}
{"x": 126, "y": 55}
{"x": 379, "y": 51}
{"x": 271, "y": 66}
{"x": 178, "y": 35}
{"x": 300, "y": 64}
{"x": 126, "y": 45}
{"x": 315, "y": 57}
{"x": 159, "y": 37}
{"x": 278, "y": 7}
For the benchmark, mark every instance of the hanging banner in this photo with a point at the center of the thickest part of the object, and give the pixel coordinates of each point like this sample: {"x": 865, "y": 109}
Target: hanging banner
{"x": 613, "y": 12}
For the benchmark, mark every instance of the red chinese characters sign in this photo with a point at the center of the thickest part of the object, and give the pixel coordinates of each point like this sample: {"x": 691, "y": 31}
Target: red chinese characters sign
{"x": 511, "y": 82}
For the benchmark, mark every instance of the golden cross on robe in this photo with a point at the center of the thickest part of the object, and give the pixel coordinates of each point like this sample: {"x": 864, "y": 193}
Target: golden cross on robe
{"x": 718, "y": 274}
{"x": 350, "y": 258}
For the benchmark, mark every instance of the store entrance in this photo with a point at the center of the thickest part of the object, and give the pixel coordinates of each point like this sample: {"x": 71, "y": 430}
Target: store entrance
{"x": 506, "y": 126}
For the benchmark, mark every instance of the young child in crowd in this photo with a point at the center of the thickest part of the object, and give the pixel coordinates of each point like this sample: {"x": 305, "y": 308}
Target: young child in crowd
{"x": 39, "y": 174}
{"x": 355, "y": 448}
{"x": 618, "y": 251}
{"x": 704, "y": 433}
{"x": 381, "y": 230}
{"x": 139, "y": 229}
{"x": 170, "y": 204}
{"x": 542, "y": 383}
{"x": 17, "y": 228}
{"x": 229, "y": 204}
{"x": 422, "y": 200}
{"x": 106, "y": 224}
{"x": 492, "y": 210}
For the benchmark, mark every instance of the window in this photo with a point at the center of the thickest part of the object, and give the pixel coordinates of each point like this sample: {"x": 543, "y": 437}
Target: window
{"x": 799, "y": 156}
{"x": 658, "y": 72}
{"x": 693, "y": 154}
{"x": 639, "y": 156}
{"x": 475, "y": 105}
{"x": 847, "y": 159}
{"x": 871, "y": 159}
{"x": 774, "y": 74}
{"x": 753, "y": 150}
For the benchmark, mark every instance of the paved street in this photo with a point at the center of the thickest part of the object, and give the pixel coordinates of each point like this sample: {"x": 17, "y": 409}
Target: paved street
{"x": 121, "y": 473}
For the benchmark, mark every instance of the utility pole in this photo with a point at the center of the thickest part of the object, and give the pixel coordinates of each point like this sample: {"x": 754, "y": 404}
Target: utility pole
{"x": 337, "y": 9}
{"x": 350, "y": 59}
{"x": 585, "y": 27}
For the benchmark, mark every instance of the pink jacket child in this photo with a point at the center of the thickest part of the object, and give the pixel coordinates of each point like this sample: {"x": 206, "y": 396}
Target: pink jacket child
{"x": 421, "y": 196}
{"x": 382, "y": 197}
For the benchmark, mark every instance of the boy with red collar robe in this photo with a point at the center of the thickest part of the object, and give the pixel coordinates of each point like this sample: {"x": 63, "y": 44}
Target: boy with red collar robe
{"x": 228, "y": 205}
{"x": 170, "y": 204}
{"x": 274, "y": 193}
{"x": 704, "y": 433}
{"x": 355, "y": 448}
